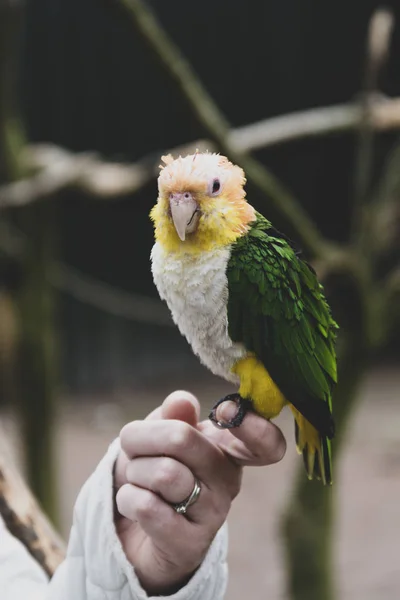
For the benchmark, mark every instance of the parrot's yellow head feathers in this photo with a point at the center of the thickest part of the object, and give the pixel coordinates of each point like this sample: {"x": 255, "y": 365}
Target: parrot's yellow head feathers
{"x": 201, "y": 203}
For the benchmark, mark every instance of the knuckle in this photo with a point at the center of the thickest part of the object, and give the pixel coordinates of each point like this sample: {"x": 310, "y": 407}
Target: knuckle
{"x": 123, "y": 500}
{"x": 147, "y": 505}
{"x": 180, "y": 437}
{"x": 167, "y": 473}
{"x": 131, "y": 471}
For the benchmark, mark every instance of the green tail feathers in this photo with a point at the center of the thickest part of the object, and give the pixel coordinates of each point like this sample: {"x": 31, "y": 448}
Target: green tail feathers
{"x": 317, "y": 458}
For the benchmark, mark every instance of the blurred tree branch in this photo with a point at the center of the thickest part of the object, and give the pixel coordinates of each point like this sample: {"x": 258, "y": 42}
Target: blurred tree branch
{"x": 377, "y": 51}
{"x": 214, "y": 121}
{"x": 308, "y": 549}
{"x": 54, "y": 169}
{"x": 34, "y": 297}
{"x": 366, "y": 315}
{"x": 86, "y": 289}
{"x": 315, "y": 122}
{"x": 24, "y": 517}
{"x": 11, "y": 140}
{"x": 380, "y": 227}
{"x": 387, "y": 302}
{"x": 218, "y": 127}
{"x": 60, "y": 169}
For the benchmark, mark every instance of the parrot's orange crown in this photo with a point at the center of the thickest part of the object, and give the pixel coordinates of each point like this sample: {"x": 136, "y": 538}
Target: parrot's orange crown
{"x": 201, "y": 203}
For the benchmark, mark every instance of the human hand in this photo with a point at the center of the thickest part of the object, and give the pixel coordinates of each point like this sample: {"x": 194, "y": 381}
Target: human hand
{"x": 160, "y": 459}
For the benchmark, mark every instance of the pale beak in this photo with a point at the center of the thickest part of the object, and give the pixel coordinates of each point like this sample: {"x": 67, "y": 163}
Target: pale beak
{"x": 184, "y": 212}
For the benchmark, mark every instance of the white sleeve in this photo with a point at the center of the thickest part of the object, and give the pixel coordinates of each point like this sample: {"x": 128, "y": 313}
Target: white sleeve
{"x": 96, "y": 567}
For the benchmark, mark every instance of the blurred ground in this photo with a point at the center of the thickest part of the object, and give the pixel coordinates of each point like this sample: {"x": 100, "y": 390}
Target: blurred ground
{"x": 367, "y": 483}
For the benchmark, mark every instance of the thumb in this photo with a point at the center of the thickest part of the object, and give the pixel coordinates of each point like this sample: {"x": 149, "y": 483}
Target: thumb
{"x": 182, "y": 406}
{"x": 255, "y": 442}
{"x": 179, "y": 405}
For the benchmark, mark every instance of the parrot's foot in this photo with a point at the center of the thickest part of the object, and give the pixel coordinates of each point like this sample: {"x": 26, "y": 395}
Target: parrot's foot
{"x": 243, "y": 407}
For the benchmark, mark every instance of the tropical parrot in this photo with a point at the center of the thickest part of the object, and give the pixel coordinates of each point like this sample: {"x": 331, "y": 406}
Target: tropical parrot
{"x": 251, "y": 308}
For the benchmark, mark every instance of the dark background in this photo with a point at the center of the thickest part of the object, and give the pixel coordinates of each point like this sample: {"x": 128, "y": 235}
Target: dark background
{"x": 89, "y": 82}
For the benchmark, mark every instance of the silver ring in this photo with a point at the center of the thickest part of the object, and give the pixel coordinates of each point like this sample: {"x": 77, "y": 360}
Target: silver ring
{"x": 182, "y": 507}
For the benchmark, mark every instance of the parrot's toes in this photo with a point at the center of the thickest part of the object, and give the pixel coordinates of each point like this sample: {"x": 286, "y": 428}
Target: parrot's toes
{"x": 243, "y": 407}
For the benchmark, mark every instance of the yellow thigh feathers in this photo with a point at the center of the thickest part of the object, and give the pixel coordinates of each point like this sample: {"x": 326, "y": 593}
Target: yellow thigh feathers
{"x": 257, "y": 386}
{"x": 267, "y": 400}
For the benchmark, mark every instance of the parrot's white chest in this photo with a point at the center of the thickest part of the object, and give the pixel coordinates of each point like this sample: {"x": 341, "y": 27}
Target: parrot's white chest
{"x": 196, "y": 291}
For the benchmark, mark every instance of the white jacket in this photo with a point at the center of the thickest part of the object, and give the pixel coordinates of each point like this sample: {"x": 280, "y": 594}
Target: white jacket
{"x": 96, "y": 567}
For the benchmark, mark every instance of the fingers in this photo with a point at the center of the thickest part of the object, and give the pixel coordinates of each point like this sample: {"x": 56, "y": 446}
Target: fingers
{"x": 163, "y": 475}
{"x": 155, "y": 516}
{"x": 171, "y": 533}
{"x": 182, "y": 406}
{"x": 255, "y": 442}
{"x": 180, "y": 441}
{"x": 163, "y": 456}
{"x": 179, "y": 405}
{"x": 155, "y": 414}
{"x": 174, "y": 482}
{"x": 165, "y": 453}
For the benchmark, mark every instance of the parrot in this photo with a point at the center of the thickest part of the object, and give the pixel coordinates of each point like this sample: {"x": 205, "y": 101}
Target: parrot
{"x": 249, "y": 305}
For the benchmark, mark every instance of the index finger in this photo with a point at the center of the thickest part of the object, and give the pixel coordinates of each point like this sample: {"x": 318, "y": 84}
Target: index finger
{"x": 256, "y": 442}
{"x": 179, "y": 405}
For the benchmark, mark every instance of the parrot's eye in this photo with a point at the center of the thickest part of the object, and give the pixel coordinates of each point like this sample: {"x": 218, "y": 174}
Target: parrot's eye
{"x": 215, "y": 187}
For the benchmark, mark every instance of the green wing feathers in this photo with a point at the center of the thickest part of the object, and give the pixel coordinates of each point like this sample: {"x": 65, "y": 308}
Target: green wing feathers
{"x": 277, "y": 309}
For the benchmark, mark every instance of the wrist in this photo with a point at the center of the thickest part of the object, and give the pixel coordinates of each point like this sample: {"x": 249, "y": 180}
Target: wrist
{"x": 164, "y": 584}
{"x": 158, "y": 574}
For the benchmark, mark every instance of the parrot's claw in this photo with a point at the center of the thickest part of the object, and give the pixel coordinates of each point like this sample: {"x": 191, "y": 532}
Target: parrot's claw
{"x": 243, "y": 407}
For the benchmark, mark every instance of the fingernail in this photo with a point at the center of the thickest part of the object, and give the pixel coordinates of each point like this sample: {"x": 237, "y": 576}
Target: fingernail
{"x": 227, "y": 411}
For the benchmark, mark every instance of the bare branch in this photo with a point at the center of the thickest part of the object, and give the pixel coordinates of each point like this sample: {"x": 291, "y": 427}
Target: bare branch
{"x": 56, "y": 169}
{"x": 378, "y": 41}
{"x": 384, "y": 115}
{"x": 393, "y": 281}
{"x": 386, "y": 307}
{"x": 114, "y": 301}
{"x": 12, "y": 243}
{"x": 214, "y": 121}
{"x": 88, "y": 290}
{"x": 62, "y": 170}
{"x": 59, "y": 169}
{"x": 24, "y": 518}
{"x": 381, "y": 217}
{"x": 106, "y": 180}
